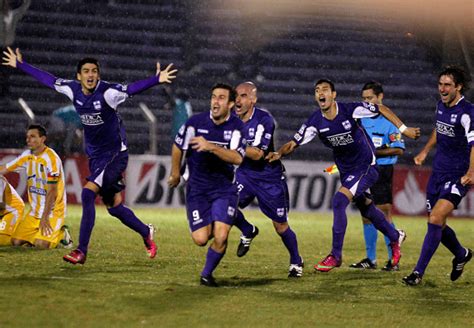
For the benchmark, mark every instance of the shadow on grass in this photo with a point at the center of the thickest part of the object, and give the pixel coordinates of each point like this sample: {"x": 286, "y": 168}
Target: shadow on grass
{"x": 246, "y": 282}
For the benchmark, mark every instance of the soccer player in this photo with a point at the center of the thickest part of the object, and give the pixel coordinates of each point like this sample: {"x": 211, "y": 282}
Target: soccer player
{"x": 96, "y": 102}
{"x": 11, "y": 211}
{"x": 43, "y": 226}
{"x": 388, "y": 146}
{"x": 213, "y": 144}
{"x": 453, "y": 171}
{"x": 336, "y": 125}
{"x": 257, "y": 178}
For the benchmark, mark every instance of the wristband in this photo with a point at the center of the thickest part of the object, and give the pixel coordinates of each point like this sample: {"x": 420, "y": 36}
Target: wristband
{"x": 402, "y": 128}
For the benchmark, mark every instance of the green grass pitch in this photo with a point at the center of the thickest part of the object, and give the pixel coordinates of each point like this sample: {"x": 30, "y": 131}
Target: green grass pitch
{"x": 120, "y": 287}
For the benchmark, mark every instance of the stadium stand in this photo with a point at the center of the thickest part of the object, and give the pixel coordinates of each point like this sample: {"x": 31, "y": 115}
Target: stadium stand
{"x": 283, "y": 53}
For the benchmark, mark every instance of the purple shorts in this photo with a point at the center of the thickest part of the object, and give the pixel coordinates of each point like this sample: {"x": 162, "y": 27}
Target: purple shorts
{"x": 360, "y": 181}
{"x": 444, "y": 186}
{"x": 203, "y": 207}
{"x": 107, "y": 173}
{"x": 272, "y": 196}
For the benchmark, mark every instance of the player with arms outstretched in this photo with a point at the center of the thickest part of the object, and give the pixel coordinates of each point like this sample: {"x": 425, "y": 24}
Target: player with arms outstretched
{"x": 96, "y": 102}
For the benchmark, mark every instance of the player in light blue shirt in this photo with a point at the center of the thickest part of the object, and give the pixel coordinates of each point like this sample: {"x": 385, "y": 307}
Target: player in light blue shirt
{"x": 388, "y": 146}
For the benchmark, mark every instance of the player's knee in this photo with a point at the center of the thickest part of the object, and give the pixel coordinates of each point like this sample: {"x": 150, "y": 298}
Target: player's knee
{"x": 436, "y": 218}
{"x": 200, "y": 240}
{"x": 340, "y": 201}
{"x": 280, "y": 228}
{"x": 220, "y": 241}
{"x": 17, "y": 242}
{"x": 42, "y": 244}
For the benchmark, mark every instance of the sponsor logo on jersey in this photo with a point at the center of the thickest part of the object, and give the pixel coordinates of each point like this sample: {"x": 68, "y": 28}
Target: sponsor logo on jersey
{"x": 340, "y": 139}
{"x": 35, "y": 190}
{"x": 445, "y": 129}
{"x": 204, "y": 131}
{"x": 251, "y": 132}
{"x": 79, "y": 103}
{"x": 347, "y": 125}
{"x": 350, "y": 178}
{"x": 91, "y": 119}
{"x": 268, "y": 136}
{"x": 324, "y": 130}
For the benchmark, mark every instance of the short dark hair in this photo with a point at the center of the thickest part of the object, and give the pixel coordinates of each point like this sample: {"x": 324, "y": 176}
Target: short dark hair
{"x": 459, "y": 76}
{"x": 321, "y": 81}
{"x": 375, "y": 86}
{"x": 87, "y": 60}
{"x": 41, "y": 129}
{"x": 232, "y": 94}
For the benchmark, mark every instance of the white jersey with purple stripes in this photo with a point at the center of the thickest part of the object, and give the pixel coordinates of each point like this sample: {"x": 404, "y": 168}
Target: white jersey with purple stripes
{"x": 454, "y": 137}
{"x": 258, "y": 132}
{"x": 206, "y": 170}
{"x": 351, "y": 146}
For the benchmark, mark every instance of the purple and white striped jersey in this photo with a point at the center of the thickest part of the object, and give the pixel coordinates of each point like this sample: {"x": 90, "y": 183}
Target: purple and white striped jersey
{"x": 454, "y": 137}
{"x": 351, "y": 146}
{"x": 206, "y": 170}
{"x": 104, "y": 133}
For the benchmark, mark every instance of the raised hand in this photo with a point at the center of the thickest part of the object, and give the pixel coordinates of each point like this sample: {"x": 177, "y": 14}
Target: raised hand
{"x": 10, "y": 57}
{"x": 166, "y": 75}
{"x": 412, "y": 133}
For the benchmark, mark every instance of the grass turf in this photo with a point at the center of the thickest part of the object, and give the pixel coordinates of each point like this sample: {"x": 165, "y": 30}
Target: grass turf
{"x": 120, "y": 287}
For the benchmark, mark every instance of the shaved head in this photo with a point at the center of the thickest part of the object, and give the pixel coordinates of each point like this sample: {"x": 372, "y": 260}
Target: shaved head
{"x": 249, "y": 88}
{"x": 246, "y": 99}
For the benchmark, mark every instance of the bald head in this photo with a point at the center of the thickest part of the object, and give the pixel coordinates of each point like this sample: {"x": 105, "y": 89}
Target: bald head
{"x": 249, "y": 88}
{"x": 246, "y": 99}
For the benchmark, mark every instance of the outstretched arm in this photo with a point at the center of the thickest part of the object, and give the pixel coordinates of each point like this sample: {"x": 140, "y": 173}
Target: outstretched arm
{"x": 15, "y": 59}
{"x": 162, "y": 76}
{"x": 421, "y": 157}
{"x": 412, "y": 133}
{"x": 284, "y": 150}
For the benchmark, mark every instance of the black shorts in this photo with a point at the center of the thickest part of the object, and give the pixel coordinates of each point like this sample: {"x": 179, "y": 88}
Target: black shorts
{"x": 382, "y": 190}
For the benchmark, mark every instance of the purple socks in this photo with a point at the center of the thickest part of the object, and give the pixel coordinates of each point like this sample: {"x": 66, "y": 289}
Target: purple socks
{"x": 430, "y": 244}
{"x": 127, "y": 217}
{"x": 339, "y": 205}
{"x": 212, "y": 261}
{"x": 243, "y": 225}
{"x": 291, "y": 243}
{"x": 88, "y": 219}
